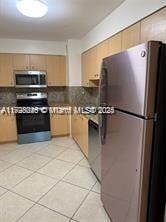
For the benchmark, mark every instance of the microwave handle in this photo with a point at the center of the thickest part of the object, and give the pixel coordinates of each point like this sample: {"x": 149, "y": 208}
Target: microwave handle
{"x": 39, "y": 80}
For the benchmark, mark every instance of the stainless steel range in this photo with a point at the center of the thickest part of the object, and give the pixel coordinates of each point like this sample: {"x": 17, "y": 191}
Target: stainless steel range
{"x": 33, "y": 120}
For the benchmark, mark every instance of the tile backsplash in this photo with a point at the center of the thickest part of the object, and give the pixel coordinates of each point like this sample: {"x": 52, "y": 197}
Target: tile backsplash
{"x": 73, "y": 95}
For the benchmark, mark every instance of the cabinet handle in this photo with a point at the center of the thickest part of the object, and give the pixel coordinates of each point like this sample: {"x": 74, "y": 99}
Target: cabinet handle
{"x": 32, "y": 67}
{"x": 27, "y": 67}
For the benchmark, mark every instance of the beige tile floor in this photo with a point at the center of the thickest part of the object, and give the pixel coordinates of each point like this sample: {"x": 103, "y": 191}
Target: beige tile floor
{"x": 48, "y": 182}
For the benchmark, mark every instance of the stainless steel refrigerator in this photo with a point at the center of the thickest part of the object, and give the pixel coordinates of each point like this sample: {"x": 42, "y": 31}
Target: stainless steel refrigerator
{"x": 133, "y": 154}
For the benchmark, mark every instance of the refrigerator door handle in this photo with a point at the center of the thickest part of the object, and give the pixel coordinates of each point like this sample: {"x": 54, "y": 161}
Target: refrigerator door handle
{"x": 103, "y": 102}
{"x": 103, "y": 129}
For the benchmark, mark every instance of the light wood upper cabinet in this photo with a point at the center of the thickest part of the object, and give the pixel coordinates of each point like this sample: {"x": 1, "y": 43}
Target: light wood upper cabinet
{"x": 131, "y": 36}
{"x": 85, "y": 68}
{"x": 21, "y": 62}
{"x": 101, "y": 53}
{"x": 6, "y": 70}
{"x": 8, "y": 128}
{"x": 92, "y": 64}
{"x": 38, "y": 62}
{"x": 29, "y": 62}
{"x": 115, "y": 44}
{"x": 154, "y": 27}
{"x": 56, "y": 70}
{"x": 60, "y": 125}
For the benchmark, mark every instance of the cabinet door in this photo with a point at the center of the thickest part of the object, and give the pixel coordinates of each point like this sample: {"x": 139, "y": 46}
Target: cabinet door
{"x": 93, "y": 68}
{"x": 62, "y": 65}
{"x": 38, "y": 62}
{"x": 85, "y": 58}
{"x": 102, "y": 52}
{"x": 21, "y": 62}
{"x": 60, "y": 125}
{"x": 6, "y": 70}
{"x": 131, "y": 36}
{"x": 8, "y": 128}
{"x": 115, "y": 44}
{"x": 75, "y": 128}
{"x": 83, "y": 134}
{"x": 56, "y": 70}
{"x": 86, "y": 67}
{"x": 154, "y": 27}
{"x": 79, "y": 131}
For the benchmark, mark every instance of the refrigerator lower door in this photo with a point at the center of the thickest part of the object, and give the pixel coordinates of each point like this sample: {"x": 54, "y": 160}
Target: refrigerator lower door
{"x": 125, "y": 167}
{"x": 94, "y": 153}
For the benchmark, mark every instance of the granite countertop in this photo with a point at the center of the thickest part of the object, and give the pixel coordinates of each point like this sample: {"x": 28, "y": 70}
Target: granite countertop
{"x": 93, "y": 117}
{"x": 8, "y": 105}
{"x": 55, "y": 104}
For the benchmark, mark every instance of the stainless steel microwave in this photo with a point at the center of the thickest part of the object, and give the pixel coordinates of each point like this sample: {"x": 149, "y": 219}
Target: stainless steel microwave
{"x": 30, "y": 79}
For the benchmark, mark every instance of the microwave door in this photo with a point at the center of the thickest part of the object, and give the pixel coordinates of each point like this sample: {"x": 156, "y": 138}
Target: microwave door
{"x": 31, "y": 79}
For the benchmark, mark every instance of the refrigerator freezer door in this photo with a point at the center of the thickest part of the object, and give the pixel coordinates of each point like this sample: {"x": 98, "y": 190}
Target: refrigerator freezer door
{"x": 131, "y": 79}
{"x": 124, "y": 174}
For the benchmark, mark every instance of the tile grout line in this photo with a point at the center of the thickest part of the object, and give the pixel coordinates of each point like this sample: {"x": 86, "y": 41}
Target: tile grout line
{"x": 25, "y": 212}
{"x": 58, "y": 181}
{"x": 36, "y": 171}
{"x": 61, "y": 180}
{"x": 37, "y": 202}
{"x": 90, "y": 190}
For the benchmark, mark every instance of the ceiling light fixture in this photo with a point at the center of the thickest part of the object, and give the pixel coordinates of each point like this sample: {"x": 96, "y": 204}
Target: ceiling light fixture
{"x": 32, "y": 8}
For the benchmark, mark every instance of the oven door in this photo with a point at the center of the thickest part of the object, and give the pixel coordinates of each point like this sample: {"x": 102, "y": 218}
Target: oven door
{"x": 31, "y": 79}
{"x": 33, "y": 122}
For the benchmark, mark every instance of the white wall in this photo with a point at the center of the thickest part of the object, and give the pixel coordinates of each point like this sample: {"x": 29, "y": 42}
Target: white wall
{"x": 74, "y": 62}
{"x": 128, "y": 13}
{"x": 32, "y": 47}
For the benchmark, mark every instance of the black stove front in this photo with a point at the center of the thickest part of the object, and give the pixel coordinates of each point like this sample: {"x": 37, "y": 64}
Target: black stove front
{"x": 33, "y": 119}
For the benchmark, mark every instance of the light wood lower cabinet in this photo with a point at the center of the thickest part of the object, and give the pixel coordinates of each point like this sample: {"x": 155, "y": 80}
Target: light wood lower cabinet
{"x": 60, "y": 125}
{"x": 79, "y": 130}
{"x": 6, "y": 70}
{"x": 8, "y": 129}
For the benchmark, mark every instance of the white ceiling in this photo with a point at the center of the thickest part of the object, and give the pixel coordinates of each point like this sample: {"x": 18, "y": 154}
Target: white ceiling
{"x": 66, "y": 19}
